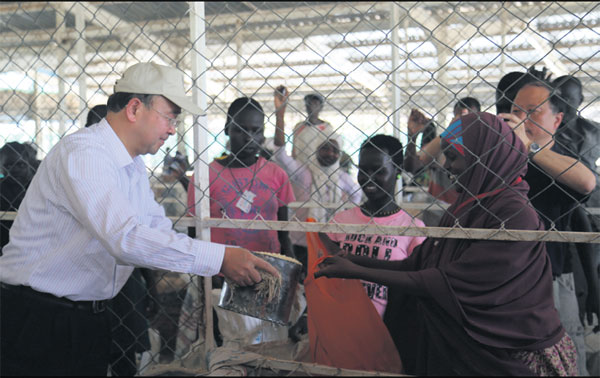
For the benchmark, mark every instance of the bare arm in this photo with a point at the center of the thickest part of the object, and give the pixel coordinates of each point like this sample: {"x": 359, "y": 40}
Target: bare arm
{"x": 280, "y": 100}
{"x": 412, "y": 163}
{"x": 415, "y": 161}
{"x": 284, "y": 236}
{"x": 564, "y": 169}
{"x": 340, "y": 267}
{"x": 332, "y": 247}
{"x": 430, "y": 151}
{"x": 368, "y": 262}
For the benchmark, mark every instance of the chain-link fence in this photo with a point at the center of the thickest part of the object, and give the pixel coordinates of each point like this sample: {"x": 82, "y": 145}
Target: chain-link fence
{"x": 351, "y": 70}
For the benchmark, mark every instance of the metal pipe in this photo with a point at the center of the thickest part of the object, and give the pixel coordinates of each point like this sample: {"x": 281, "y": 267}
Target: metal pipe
{"x": 199, "y": 70}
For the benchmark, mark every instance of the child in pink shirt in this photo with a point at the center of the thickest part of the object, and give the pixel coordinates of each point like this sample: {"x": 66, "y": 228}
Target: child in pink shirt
{"x": 379, "y": 165}
{"x": 244, "y": 185}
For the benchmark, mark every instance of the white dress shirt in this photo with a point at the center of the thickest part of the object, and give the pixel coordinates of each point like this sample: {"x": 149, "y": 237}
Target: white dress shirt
{"x": 88, "y": 217}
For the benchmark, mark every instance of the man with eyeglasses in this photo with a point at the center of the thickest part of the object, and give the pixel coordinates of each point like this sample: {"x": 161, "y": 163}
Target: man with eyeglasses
{"x": 558, "y": 183}
{"x": 88, "y": 218}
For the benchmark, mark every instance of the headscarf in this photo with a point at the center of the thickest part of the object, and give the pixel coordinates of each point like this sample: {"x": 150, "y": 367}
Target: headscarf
{"x": 453, "y": 135}
{"x": 485, "y": 297}
{"x": 326, "y": 188}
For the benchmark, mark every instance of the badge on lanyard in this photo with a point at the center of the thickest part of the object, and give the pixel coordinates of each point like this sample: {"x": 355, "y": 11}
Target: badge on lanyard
{"x": 245, "y": 201}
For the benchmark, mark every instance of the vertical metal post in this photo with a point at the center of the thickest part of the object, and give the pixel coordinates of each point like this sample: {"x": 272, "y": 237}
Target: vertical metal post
{"x": 37, "y": 138}
{"x": 181, "y": 127}
{"x": 198, "y": 37}
{"x": 238, "y": 62}
{"x": 406, "y": 68}
{"x": 397, "y": 95}
{"x": 60, "y": 71}
{"x": 442, "y": 82}
{"x": 80, "y": 49}
{"x": 503, "y": 55}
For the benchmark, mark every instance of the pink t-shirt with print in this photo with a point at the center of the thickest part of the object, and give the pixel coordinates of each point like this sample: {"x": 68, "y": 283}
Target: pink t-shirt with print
{"x": 382, "y": 247}
{"x": 271, "y": 188}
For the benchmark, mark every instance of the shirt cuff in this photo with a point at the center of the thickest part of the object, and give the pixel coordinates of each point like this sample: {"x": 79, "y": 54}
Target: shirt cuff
{"x": 208, "y": 258}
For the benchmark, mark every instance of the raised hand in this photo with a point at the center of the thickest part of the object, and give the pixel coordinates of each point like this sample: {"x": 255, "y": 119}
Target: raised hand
{"x": 518, "y": 126}
{"x": 416, "y": 122}
{"x": 281, "y": 98}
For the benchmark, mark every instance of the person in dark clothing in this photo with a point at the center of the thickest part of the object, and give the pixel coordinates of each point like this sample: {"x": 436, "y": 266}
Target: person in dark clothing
{"x": 96, "y": 114}
{"x": 465, "y": 106}
{"x": 581, "y": 137}
{"x": 17, "y": 167}
{"x": 559, "y": 183}
{"x": 474, "y": 307}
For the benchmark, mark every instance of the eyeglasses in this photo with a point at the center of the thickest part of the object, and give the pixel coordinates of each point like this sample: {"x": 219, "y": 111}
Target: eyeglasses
{"x": 172, "y": 121}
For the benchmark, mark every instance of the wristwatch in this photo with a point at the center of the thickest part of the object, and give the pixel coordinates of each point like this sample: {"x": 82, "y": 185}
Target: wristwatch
{"x": 534, "y": 148}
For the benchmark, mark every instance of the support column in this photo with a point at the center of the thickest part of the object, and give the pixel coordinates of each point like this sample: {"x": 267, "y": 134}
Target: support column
{"x": 442, "y": 83}
{"x": 396, "y": 93}
{"x": 201, "y": 179}
{"x": 181, "y": 127}
{"x": 80, "y": 48}
{"x": 37, "y": 137}
{"x": 238, "y": 62}
{"x": 406, "y": 68}
{"x": 441, "y": 104}
{"x": 60, "y": 71}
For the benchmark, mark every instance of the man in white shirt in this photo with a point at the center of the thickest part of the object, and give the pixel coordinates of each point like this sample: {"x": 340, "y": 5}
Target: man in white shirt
{"x": 87, "y": 219}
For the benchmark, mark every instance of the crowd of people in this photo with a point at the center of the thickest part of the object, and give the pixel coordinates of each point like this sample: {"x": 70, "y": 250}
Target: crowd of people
{"x": 452, "y": 306}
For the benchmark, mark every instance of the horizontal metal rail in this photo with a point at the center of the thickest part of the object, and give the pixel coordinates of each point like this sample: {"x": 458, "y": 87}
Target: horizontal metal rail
{"x": 374, "y": 229}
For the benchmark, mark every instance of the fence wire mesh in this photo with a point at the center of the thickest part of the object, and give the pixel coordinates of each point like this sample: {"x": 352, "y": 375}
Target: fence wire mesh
{"x": 327, "y": 76}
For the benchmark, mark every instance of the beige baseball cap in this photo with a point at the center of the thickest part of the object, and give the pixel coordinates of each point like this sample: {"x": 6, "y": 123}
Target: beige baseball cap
{"x": 152, "y": 78}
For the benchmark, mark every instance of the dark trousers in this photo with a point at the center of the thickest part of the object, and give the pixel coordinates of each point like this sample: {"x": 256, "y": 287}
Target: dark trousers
{"x": 43, "y": 338}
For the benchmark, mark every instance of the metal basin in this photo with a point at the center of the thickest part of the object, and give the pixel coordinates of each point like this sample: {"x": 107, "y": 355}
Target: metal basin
{"x": 247, "y": 301}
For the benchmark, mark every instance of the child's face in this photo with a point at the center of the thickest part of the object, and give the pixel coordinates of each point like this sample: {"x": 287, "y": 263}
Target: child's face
{"x": 377, "y": 174}
{"x": 246, "y": 133}
{"x": 314, "y": 107}
{"x": 328, "y": 153}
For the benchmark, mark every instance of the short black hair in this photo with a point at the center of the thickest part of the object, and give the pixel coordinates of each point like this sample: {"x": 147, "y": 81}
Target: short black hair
{"x": 391, "y": 145}
{"x": 556, "y": 103}
{"x": 25, "y": 150}
{"x": 513, "y": 82}
{"x": 469, "y": 103}
{"x": 240, "y": 105}
{"x": 119, "y": 100}
{"x": 96, "y": 114}
{"x": 314, "y": 96}
{"x": 507, "y": 89}
{"x": 569, "y": 83}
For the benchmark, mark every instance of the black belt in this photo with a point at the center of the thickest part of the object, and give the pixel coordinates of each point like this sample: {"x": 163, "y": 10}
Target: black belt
{"x": 95, "y": 307}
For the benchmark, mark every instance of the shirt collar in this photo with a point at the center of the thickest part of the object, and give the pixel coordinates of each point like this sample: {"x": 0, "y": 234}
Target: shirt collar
{"x": 114, "y": 144}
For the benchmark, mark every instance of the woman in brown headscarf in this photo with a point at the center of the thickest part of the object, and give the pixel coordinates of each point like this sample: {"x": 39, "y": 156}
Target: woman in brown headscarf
{"x": 474, "y": 307}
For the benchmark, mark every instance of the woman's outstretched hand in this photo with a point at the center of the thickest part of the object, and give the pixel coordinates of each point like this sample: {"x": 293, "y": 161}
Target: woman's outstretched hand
{"x": 337, "y": 267}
